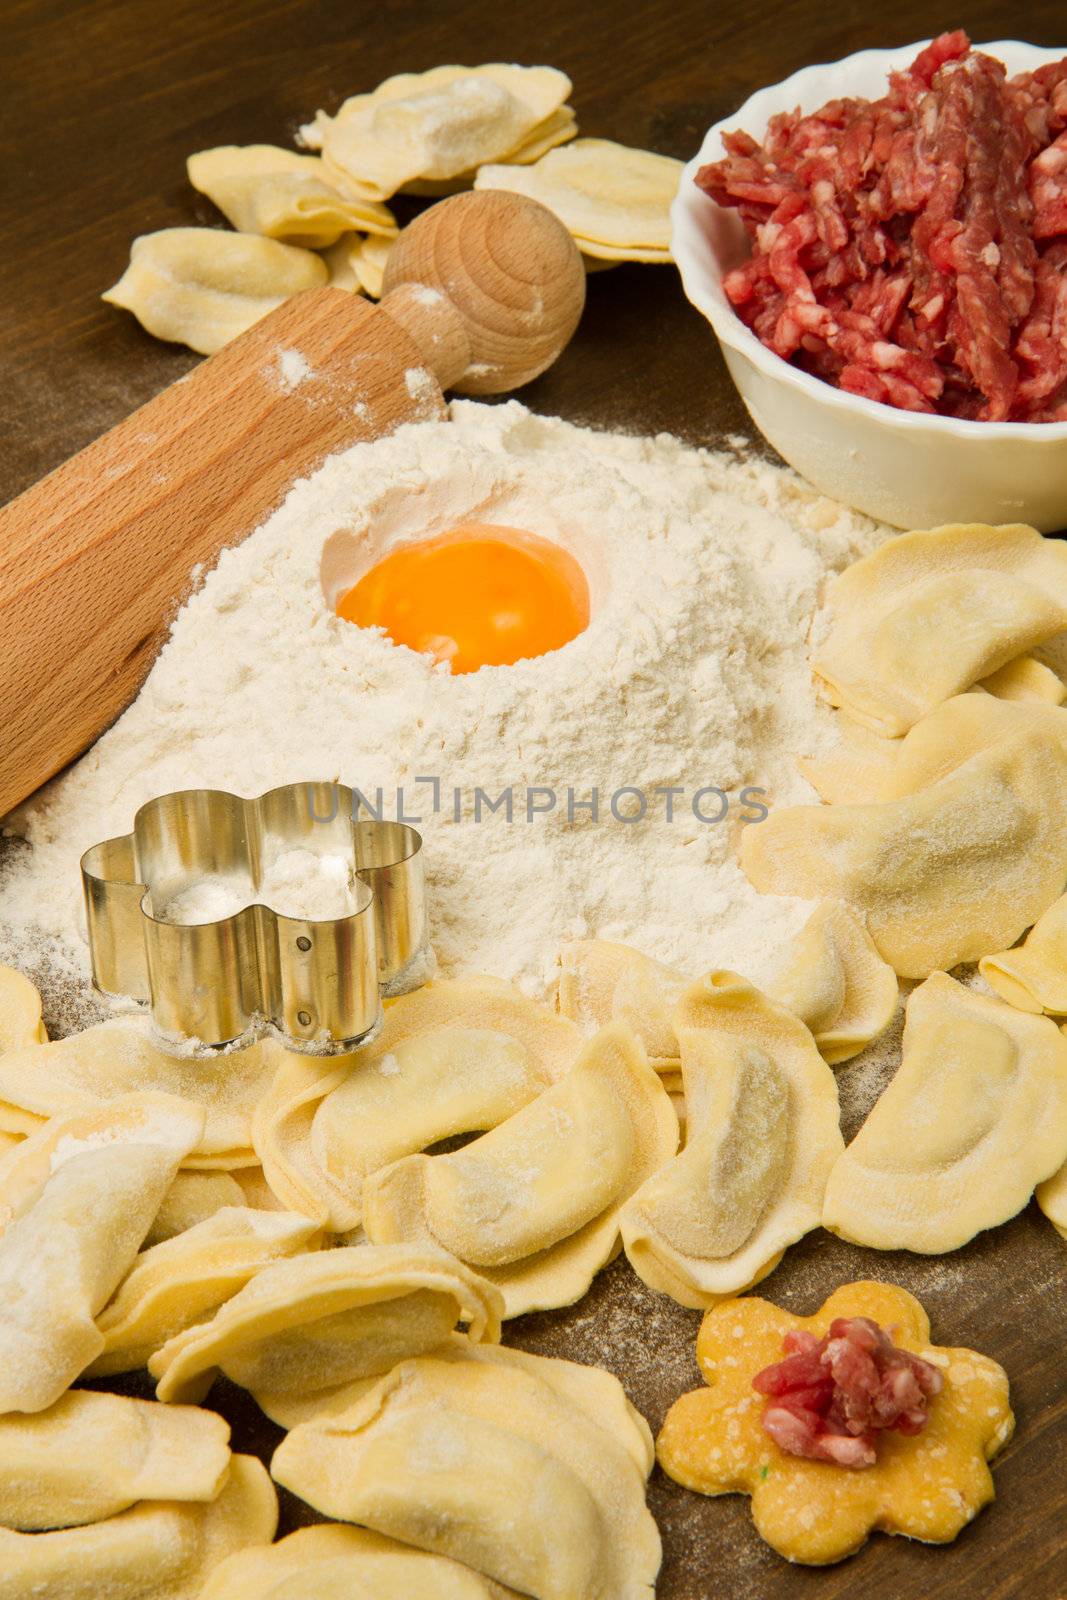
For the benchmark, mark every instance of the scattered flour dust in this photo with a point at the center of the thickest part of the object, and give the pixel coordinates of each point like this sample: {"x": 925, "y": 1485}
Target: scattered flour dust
{"x": 293, "y": 370}
{"x": 705, "y": 570}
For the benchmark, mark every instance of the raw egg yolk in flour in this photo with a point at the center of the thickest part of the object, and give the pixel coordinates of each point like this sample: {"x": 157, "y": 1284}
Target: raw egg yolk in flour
{"x": 477, "y": 596}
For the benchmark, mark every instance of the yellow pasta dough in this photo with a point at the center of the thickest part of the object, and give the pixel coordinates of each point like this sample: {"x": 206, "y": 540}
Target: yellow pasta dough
{"x": 928, "y": 614}
{"x": 592, "y": 1389}
{"x": 613, "y": 200}
{"x": 92, "y": 1455}
{"x": 160, "y": 1549}
{"x": 262, "y": 189}
{"x": 203, "y": 286}
{"x": 1051, "y": 1196}
{"x": 762, "y": 1134}
{"x": 927, "y": 1486}
{"x": 368, "y": 257}
{"x": 87, "y": 1070}
{"x": 602, "y": 982}
{"x": 453, "y": 1057}
{"x": 340, "y": 264}
{"x": 1033, "y": 975}
{"x": 185, "y": 1279}
{"x": 967, "y": 850}
{"x": 974, "y": 1118}
{"x": 556, "y": 129}
{"x": 20, "y": 1011}
{"x": 191, "y": 1199}
{"x": 1026, "y": 678}
{"x": 78, "y": 1198}
{"x": 534, "y": 1204}
{"x": 436, "y": 125}
{"x": 333, "y": 1562}
{"x": 443, "y": 1455}
{"x": 835, "y": 981}
{"x": 317, "y": 1321}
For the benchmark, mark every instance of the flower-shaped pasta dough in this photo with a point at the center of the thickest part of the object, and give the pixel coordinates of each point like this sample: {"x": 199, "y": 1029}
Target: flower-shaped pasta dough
{"x": 762, "y": 1134}
{"x": 88, "y": 1070}
{"x": 161, "y": 1548}
{"x": 1033, "y": 975}
{"x": 321, "y": 1320}
{"x": 534, "y": 1205}
{"x": 20, "y": 1012}
{"x": 927, "y": 1486}
{"x": 895, "y": 648}
{"x": 260, "y": 188}
{"x": 835, "y": 981}
{"x": 453, "y": 1057}
{"x": 975, "y": 1116}
{"x": 508, "y": 1466}
{"x": 333, "y": 1562}
{"x": 964, "y": 851}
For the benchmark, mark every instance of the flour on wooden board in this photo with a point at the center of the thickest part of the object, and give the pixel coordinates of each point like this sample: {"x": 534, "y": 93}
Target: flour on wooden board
{"x": 705, "y": 570}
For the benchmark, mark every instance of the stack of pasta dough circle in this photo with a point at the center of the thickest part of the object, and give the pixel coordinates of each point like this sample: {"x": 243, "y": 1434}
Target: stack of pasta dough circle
{"x": 293, "y": 1222}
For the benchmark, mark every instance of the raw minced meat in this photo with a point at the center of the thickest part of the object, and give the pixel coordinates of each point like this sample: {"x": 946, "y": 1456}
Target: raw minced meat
{"x": 830, "y": 1398}
{"x": 913, "y": 249}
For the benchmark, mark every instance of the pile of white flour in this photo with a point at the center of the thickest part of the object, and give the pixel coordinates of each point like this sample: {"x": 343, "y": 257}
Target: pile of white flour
{"x": 705, "y": 571}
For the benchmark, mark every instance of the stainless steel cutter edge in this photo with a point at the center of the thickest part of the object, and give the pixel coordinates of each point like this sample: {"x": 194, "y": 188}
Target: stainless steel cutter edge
{"x": 318, "y": 982}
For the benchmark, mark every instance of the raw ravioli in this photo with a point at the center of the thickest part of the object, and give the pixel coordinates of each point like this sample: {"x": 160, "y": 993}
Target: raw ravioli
{"x": 974, "y": 1118}
{"x": 835, "y": 981}
{"x": 158, "y": 1550}
{"x": 92, "y": 1455}
{"x": 534, "y": 1205}
{"x": 762, "y": 1134}
{"x": 317, "y": 1321}
{"x": 927, "y": 615}
{"x": 260, "y": 188}
{"x": 203, "y": 286}
{"x": 443, "y": 1455}
{"x": 185, "y": 1279}
{"x": 78, "y": 1199}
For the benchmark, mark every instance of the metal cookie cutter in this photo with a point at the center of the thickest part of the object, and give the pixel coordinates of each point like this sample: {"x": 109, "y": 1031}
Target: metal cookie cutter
{"x": 319, "y": 982}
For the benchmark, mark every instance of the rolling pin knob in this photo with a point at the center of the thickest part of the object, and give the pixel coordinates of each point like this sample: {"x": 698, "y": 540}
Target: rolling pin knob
{"x": 489, "y": 285}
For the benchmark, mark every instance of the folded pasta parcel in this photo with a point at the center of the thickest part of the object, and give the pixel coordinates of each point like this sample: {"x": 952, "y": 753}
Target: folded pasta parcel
{"x": 437, "y": 125}
{"x": 615, "y": 201}
{"x": 316, "y": 1321}
{"x": 78, "y": 1198}
{"x": 524, "y": 1468}
{"x": 261, "y": 188}
{"x": 202, "y": 286}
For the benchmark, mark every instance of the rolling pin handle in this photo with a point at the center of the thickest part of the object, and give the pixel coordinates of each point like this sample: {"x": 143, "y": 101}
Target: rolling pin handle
{"x": 512, "y": 281}
{"x": 431, "y": 320}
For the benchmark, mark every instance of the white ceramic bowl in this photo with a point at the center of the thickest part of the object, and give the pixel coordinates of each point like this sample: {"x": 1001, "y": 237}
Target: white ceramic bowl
{"x": 911, "y": 470}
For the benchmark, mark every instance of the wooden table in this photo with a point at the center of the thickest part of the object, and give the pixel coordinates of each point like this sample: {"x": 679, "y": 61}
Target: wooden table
{"x": 102, "y": 102}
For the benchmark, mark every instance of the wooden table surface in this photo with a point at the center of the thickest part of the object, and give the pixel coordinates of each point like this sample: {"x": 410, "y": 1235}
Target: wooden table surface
{"x": 101, "y": 104}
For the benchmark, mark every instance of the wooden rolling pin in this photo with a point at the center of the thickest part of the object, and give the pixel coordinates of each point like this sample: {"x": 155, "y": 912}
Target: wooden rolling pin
{"x": 482, "y": 292}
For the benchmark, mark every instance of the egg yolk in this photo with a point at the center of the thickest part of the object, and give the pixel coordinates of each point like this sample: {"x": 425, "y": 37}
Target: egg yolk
{"x": 477, "y": 596}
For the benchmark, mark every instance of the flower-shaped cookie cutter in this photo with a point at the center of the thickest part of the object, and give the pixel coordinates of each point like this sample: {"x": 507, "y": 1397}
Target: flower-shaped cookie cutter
{"x": 318, "y": 981}
{"x": 928, "y": 1485}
